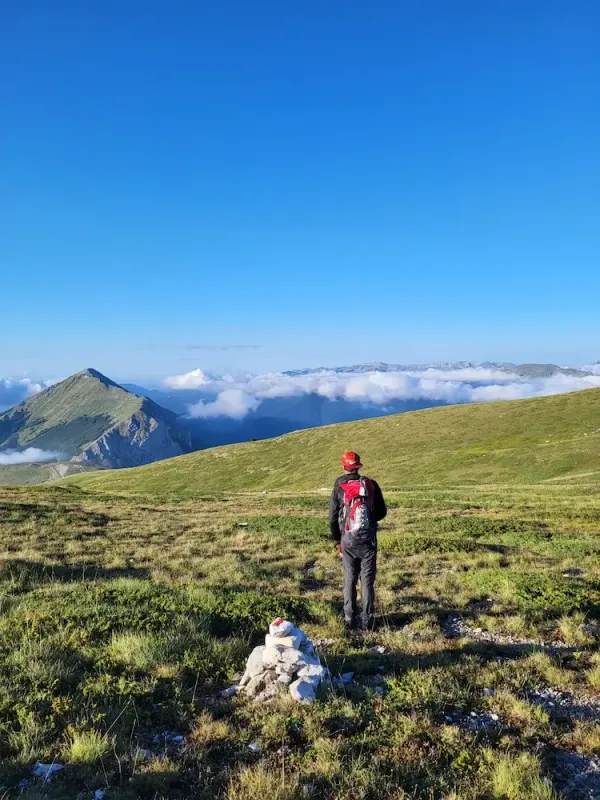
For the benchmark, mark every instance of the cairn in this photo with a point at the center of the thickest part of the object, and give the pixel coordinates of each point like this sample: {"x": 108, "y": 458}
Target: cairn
{"x": 286, "y": 661}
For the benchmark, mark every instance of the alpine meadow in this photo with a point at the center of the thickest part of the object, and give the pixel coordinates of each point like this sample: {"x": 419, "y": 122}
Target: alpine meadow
{"x": 299, "y": 400}
{"x": 131, "y": 598}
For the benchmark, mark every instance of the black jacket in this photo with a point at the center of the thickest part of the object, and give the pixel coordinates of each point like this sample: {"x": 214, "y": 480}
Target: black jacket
{"x": 336, "y": 504}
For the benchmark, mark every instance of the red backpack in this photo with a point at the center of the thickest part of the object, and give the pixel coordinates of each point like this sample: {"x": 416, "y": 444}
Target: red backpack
{"x": 358, "y": 520}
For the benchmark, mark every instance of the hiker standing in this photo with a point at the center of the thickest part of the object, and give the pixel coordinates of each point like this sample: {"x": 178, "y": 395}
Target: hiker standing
{"x": 356, "y": 506}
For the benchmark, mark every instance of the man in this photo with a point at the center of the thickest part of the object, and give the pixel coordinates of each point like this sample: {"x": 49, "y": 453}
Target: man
{"x": 356, "y": 506}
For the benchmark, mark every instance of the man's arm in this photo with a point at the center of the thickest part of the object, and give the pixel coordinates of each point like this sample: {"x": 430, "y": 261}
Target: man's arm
{"x": 334, "y": 516}
{"x": 379, "y": 506}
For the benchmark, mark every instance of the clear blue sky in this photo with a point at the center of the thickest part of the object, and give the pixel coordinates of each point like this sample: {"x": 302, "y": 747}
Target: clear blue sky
{"x": 424, "y": 176}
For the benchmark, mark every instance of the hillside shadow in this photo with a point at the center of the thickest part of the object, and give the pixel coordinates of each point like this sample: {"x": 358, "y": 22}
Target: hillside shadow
{"x": 39, "y": 512}
{"x": 24, "y": 572}
{"x": 395, "y": 663}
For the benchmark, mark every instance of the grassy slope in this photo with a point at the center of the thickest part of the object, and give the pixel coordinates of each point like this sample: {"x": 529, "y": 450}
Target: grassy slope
{"x": 516, "y": 441}
{"x": 33, "y": 474}
{"x": 68, "y": 415}
{"x": 122, "y": 619}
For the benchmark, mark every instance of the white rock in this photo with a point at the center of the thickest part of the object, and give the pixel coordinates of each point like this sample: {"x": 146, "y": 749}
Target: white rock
{"x": 270, "y": 690}
{"x": 313, "y": 672}
{"x": 230, "y": 692}
{"x": 255, "y": 685}
{"x": 292, "y": 641}
{"x": 285, "y": 669}
{"x": 272, "y": 655}
{"x": 294, "y": 657}
{"x": 46, "y": 771}
{"x": 284, "y": 679}
{"x": 303, "y": 691}
{"x": 281, "y": 627}
{"x": 255, "y": 748}
{"x": 254, "y": 665}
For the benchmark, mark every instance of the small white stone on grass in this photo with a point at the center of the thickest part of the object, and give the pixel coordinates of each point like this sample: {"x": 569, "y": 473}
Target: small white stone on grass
{"x": 230, "y": 692}
{"x": 46, "y": 771}
{"x": 255, "y": 748}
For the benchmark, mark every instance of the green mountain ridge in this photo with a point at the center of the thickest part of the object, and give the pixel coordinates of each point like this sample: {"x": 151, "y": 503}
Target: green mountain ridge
{"x": 519, "y": 441}
{"x": 93, "y": 422}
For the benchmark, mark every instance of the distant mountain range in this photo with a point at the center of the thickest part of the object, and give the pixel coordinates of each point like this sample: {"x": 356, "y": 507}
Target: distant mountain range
{"x": 522, "y": 370}
{"x": 88, "y": 421}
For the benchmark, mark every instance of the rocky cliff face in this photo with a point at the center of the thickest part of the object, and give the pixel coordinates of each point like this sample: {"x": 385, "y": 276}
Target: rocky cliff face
{"x": 141, "y": 439}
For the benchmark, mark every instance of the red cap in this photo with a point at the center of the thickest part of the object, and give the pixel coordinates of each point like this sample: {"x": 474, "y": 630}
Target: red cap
{"x": 351, "y": 461}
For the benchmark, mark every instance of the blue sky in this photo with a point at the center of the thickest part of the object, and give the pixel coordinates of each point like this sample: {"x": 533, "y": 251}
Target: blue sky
{"x": 326, "y": 182}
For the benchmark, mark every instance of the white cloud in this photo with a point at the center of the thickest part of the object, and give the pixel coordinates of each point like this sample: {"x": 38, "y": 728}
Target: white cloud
{"x": 236, "y": 396}
{"x": 15, "y": 390}
{"x": 233, "y": 403}
{"x": 189, "y": 380}
{"x": 31, "y": 455}
{"x": 595, "y": 368}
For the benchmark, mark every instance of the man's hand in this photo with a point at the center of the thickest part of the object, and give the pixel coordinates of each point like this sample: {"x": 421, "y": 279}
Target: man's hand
{"x": 338, "y": 547}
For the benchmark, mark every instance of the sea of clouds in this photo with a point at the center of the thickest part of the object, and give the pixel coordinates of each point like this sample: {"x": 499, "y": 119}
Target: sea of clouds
{"x": 236, "y": 395}
{"x": 31, "y": 455}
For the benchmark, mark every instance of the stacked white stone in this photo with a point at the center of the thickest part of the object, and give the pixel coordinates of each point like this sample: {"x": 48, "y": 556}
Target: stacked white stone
{"x": 287, "y": 660}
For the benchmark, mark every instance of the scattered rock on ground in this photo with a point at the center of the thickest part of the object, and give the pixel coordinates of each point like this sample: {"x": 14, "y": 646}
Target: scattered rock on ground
{"x": 577, "y": 776}
{"x": 323, "y": 644}
{"x": 472, "y": 720}
{"x": 46, "y": 771}
{"x": 565, "y": 705}
{"x": 455, "y": 627}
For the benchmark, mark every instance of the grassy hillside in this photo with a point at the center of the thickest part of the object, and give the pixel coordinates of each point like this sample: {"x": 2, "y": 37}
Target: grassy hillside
{"x": 32, "y": 474}
{"x": 518, "y": 441}
{"x": 67, "y": 415}
{"x": 123, "y": 619}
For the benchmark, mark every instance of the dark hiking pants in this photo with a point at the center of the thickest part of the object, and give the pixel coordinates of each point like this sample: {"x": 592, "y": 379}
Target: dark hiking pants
{"x": 359, "y": 563}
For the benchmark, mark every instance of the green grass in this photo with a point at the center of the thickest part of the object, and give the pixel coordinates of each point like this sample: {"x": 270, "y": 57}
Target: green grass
{"x": 524, "y": 441}
{"x": 122, "y": 618}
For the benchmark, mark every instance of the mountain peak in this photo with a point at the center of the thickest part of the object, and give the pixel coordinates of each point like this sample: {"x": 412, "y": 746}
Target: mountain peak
{"x": 90, "y": 372}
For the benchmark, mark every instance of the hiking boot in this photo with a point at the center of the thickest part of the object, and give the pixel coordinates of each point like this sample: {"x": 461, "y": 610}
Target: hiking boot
{"x": 349, "y": 625}
{"x": 368, "y": 624}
